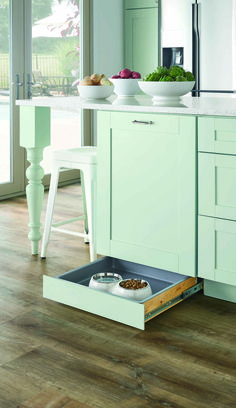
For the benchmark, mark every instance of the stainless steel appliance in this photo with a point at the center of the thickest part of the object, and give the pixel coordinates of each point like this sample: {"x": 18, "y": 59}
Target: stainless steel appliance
{"x": 205, "y": 30}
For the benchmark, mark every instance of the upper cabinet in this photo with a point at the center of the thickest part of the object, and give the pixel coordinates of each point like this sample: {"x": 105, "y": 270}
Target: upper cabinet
{"x": 141, "y": 35}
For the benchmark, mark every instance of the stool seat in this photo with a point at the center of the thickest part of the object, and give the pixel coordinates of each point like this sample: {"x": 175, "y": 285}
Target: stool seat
{"x": 85, "y": 160}
{"x": 84, "y": 154}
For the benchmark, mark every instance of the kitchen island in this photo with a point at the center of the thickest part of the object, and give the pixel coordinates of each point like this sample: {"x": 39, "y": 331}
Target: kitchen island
{"x": 166, "y": 182}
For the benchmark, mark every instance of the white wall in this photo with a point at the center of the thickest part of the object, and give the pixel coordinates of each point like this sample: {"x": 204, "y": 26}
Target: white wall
{"x": 108, "y": 36}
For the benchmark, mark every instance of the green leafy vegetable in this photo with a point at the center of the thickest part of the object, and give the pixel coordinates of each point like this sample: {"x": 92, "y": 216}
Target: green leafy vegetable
{"x": 166, "y": 78}
{"x": 175, "y": 73}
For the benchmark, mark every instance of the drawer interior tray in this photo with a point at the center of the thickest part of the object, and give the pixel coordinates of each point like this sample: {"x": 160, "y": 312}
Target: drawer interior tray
{"x": 72, "y": 288}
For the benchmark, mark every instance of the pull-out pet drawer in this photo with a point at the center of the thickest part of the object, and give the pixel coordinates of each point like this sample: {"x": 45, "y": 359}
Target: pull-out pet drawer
{"x": 72, "y": 289}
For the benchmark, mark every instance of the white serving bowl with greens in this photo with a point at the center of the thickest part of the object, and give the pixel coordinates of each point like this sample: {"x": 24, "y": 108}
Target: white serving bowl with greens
{"x": 167, "y": 83}
{"x": 166, "y": 90}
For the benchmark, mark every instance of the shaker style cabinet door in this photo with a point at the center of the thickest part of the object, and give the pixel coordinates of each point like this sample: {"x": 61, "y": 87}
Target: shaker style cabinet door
{"x": 216, "y": 250}
{"x": 217, "y": 185}
{"x": 146, "y": 189}
{"x": 217, "y": 135}
{"x": 141, "y": 40}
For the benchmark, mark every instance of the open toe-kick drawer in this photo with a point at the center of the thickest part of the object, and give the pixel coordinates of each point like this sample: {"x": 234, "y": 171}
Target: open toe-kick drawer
{"x": 168, "y": 288}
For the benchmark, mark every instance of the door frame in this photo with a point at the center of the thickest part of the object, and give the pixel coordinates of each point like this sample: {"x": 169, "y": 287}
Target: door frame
{"x": 21, "y": 25}
{"x": 17, "y": 18}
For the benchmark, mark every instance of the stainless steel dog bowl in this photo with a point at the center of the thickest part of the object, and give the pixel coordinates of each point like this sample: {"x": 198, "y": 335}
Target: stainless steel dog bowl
{"x": 104, "y": 281}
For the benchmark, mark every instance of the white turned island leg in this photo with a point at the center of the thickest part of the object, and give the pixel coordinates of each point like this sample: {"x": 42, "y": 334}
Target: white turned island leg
{"x": 34, "y": 194}
{"x": 34, "y": 136}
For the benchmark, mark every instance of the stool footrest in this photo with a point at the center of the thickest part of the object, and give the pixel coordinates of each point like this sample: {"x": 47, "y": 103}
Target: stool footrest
{"x": 58, "y": 224}
{"x": 64, "y": 231}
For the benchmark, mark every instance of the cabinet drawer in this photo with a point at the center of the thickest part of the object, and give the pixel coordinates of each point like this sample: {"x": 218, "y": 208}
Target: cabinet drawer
{"x": 217, "y": 135}
{"x": 72, "y": 289}
{"x": 216, "y": 250}
{"x": 137, "y": 4}
{"x": 217, "y": 185}
{"x": 145, "y": 122}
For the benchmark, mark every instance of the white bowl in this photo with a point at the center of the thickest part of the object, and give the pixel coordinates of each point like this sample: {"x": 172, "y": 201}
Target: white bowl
{"x": 105, "y": 281}
{"x": 95, "y": 91}
{"x": 166, "y": 90}
{"x": 133, "y": 294}
{"x": 125, "y": 87}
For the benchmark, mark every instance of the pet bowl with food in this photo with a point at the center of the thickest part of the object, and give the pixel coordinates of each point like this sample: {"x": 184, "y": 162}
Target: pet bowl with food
{"x": 134, "y": 289}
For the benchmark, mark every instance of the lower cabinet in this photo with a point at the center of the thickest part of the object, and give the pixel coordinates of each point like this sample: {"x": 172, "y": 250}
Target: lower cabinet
{"x": 217, "y": 250}
{"x": 147, "y": 189}
{"x": 217, "y": 206}
{"x": 217, "y": 185}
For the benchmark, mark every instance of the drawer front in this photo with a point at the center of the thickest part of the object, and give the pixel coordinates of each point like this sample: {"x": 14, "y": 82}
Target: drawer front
{"x": 72, "y": 289}
{"x": 217, "y": 185}
{"x": 216, "y": 250}
{"x": 217, "y": 135}
{"x": 146, "y": 122}
{"x": 135, "y": 4}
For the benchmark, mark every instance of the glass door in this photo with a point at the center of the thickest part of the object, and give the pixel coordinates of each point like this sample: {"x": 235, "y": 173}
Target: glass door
{"x": 12, "y": 68}
{"x": 40, "y": 56}
{"x": 56, "y": 64}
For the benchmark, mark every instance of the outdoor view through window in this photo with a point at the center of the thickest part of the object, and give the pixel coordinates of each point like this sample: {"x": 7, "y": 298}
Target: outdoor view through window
{"x": 5, "y": 155}
{"x": 55, "y": 66}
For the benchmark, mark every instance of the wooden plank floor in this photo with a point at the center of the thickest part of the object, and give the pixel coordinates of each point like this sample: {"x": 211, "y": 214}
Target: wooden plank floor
{"x": 55, "y": 356}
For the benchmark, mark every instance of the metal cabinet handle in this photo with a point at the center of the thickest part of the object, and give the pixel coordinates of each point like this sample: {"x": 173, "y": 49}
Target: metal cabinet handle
{"x": 150, "y": 122}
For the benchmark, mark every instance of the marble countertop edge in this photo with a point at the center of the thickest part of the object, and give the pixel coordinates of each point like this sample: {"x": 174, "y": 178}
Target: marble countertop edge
{"x": 187, "y": 105}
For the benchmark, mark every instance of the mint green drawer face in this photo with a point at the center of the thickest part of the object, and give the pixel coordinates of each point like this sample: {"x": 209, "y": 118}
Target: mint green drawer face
{"x": 140, "y": 122}
{"x": 217, "y": 135}
{"x": 134, "y": 4}
{"x": 217, "y": 185}
{"x": 216, "y": 250}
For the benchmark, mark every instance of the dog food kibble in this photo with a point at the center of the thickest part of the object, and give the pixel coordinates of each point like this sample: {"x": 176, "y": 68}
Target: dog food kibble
{"x": 133, "y": 284}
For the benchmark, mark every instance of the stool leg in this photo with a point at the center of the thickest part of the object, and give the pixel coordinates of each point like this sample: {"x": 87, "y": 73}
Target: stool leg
{"x": 50, "y": 208}
{"x": 90, "y": 193}
{"x": 86, "y": 240}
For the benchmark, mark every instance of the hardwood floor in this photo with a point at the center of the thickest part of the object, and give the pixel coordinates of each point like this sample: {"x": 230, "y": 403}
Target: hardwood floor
{"x": 55, "y": 356}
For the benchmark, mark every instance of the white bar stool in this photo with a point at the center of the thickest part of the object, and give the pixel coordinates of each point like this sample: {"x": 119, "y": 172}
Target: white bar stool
{"x": 84, "y": 159}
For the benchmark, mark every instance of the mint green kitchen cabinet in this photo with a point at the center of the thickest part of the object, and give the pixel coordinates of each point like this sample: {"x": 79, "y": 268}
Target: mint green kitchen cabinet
{"x": 217, "y": 249}
{"x": 217, "y": 185}
{"x": 147, "y": 189}
{"x": 217, "y": 135}
{"x": 217, "y": 206}
{"x": 141, "y": 37}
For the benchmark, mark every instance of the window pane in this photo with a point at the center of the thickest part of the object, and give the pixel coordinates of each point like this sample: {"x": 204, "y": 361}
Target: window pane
{"x": 56, "y": 65}
{"x": 5, "y": 137}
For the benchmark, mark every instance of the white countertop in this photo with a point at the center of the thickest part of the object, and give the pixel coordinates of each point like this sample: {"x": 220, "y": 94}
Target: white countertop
{"x": 219, "y": 105}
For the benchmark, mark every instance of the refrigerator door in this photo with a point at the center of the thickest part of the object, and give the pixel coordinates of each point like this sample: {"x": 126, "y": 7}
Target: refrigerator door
{"x": 217, "y": 29}
{"x": 176, "y": 29}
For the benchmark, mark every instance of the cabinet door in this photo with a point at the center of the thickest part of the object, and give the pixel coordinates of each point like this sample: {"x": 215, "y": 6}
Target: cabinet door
{"x": 146, "y": 189}
{"x": 141, "y": 40}
{"x": 217, "y": 185}
{"x": 217, "y": 135}
{"x": 216, "y": 250}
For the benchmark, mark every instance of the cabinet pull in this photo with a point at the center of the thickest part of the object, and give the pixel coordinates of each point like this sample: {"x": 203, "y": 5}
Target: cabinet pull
{"x": 150, "y": 122}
